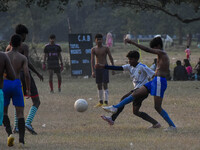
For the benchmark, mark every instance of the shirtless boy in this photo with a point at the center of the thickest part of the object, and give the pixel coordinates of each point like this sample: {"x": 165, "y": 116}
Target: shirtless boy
{"x": 101, "y": 52}
{"x": 13, "y": 90}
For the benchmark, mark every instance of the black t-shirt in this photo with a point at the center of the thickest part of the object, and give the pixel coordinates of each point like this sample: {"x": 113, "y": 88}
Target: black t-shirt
{"x": 180, "y": 73}
{"x": 52, "y": 57}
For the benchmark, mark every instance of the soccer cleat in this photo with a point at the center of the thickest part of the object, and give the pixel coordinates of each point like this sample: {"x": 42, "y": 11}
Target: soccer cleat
{"x": 98, "y": 105}
{"x": 10, "y": 140}
{"x": 108, "y": 119}
{"x": 110, "y": 109}
{"x": 157, "y": 125}
{"x": 15, "y": 130}
{"x": 59, "y": 90}
{"x": 171, "y": 129}
{"x": 30, "y": 129}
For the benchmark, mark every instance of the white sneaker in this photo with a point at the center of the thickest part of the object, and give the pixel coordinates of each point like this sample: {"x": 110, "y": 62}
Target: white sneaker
{"x": 110, "y": 109}
{"x": 171, "y": 129}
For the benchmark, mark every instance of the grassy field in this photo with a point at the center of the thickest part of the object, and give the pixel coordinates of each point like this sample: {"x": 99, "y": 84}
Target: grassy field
{"x": 60, "y": 127}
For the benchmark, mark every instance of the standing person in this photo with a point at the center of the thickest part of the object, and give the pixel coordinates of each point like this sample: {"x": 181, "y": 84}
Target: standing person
{"x": 109, "y": 40}
{"x": 52, "y": 54}
{"x": 24, "y": 50}
{"x": 188, "y": 53}
{"x": 156, "y": 87}
{"x": 13, "y": 90}
{"x": 140, "y": 74}
{"x": 101, "y": 52}
{"x": 6, "y": 70}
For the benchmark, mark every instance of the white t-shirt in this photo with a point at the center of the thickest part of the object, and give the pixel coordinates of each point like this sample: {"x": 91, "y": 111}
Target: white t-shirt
{"x": 139, "y": 74}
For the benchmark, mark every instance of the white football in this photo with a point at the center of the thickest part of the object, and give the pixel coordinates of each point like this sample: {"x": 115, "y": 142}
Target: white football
{"x": 81, "y": 105}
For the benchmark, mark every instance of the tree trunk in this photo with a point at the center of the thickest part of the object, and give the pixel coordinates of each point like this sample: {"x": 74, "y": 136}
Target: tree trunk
{"x": 180, "y": 34}
{"x": 35, "y": 16}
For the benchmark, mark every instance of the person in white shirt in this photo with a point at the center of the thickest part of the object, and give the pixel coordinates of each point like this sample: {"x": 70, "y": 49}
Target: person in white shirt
{"x": 140, "y": 74}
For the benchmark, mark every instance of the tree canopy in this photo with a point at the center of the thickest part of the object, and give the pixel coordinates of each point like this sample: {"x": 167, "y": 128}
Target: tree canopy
{"x": 169, "y": 7}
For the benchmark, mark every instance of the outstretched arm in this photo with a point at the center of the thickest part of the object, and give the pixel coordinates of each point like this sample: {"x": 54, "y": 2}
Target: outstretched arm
{"x": 101, "y": 66}
{"x": 144, "y": 48}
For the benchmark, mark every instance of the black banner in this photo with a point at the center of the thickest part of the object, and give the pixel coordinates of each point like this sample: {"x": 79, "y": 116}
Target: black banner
{"x": 80, "y": 54}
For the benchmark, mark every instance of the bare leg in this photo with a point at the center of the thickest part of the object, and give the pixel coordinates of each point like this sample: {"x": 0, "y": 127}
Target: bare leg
{"x": 161, "y": 111}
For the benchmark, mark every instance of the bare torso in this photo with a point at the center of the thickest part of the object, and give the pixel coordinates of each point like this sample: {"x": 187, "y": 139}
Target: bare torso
{"x": 24, "y": 50}
{"x": 18, "y": 62}
{"x": 101, "y": 54}
{"x": 162, "y": 69}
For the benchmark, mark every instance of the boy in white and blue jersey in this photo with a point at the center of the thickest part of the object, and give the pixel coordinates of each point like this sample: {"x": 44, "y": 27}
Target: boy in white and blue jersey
{"x": 157, "y": 86}
{"x": 140, "y": 74}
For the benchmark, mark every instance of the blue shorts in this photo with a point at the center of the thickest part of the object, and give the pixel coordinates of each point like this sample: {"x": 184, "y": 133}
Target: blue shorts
{"x": 13, "y": 89}
{"x": 102, "y": 76}
{"x": 157, "y": 86}
{"x": 1, "y": 106}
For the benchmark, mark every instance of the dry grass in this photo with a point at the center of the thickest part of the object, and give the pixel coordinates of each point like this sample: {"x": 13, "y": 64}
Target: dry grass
{"x": 67, "y": 129}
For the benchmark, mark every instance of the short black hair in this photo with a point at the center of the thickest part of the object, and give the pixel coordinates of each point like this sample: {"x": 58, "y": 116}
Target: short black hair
{"x": 21, "y": 29}
{"x": 178, "y": 62}
{"x": 133, "y": 54}
{"x": 15, "y": 40}
{"x": 155, "y": 42}
{"x": 52, "y": 36}
{"x": 98, "y": 36}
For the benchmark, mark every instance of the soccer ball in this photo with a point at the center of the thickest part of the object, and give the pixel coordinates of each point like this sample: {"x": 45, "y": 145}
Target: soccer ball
{"x": 80, "y": 105}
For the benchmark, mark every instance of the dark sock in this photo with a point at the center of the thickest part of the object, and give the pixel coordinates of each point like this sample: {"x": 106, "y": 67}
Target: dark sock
{"x": 59, "y": 83}
{"x": 51, "y": 85}
{"x": 101, "y": 101}
{"x": 6, "y": 122}
{"x": 21, "y": 126}
{"x": 146, "y": 117}
{"x": 119, "y": 110}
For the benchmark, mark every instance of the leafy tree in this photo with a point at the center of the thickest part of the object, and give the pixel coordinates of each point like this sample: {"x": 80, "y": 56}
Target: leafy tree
{"x": 165, "y": 6}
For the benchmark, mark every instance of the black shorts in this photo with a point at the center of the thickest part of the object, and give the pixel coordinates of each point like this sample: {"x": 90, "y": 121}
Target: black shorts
{"x": 55, "y": 70}
{"x": 102, "y": 76}
{"x": 137, "y": 101}
{"x": 34, "y": 91}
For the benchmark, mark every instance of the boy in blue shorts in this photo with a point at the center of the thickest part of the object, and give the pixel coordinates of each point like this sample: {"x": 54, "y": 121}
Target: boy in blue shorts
{"x": 13, "y": 90}
{"x": 157, "y": 86}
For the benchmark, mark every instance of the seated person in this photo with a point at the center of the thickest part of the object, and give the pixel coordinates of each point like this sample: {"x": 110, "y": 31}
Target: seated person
{"x": 180, "y": 72}
{"x": 188, "y": 68}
